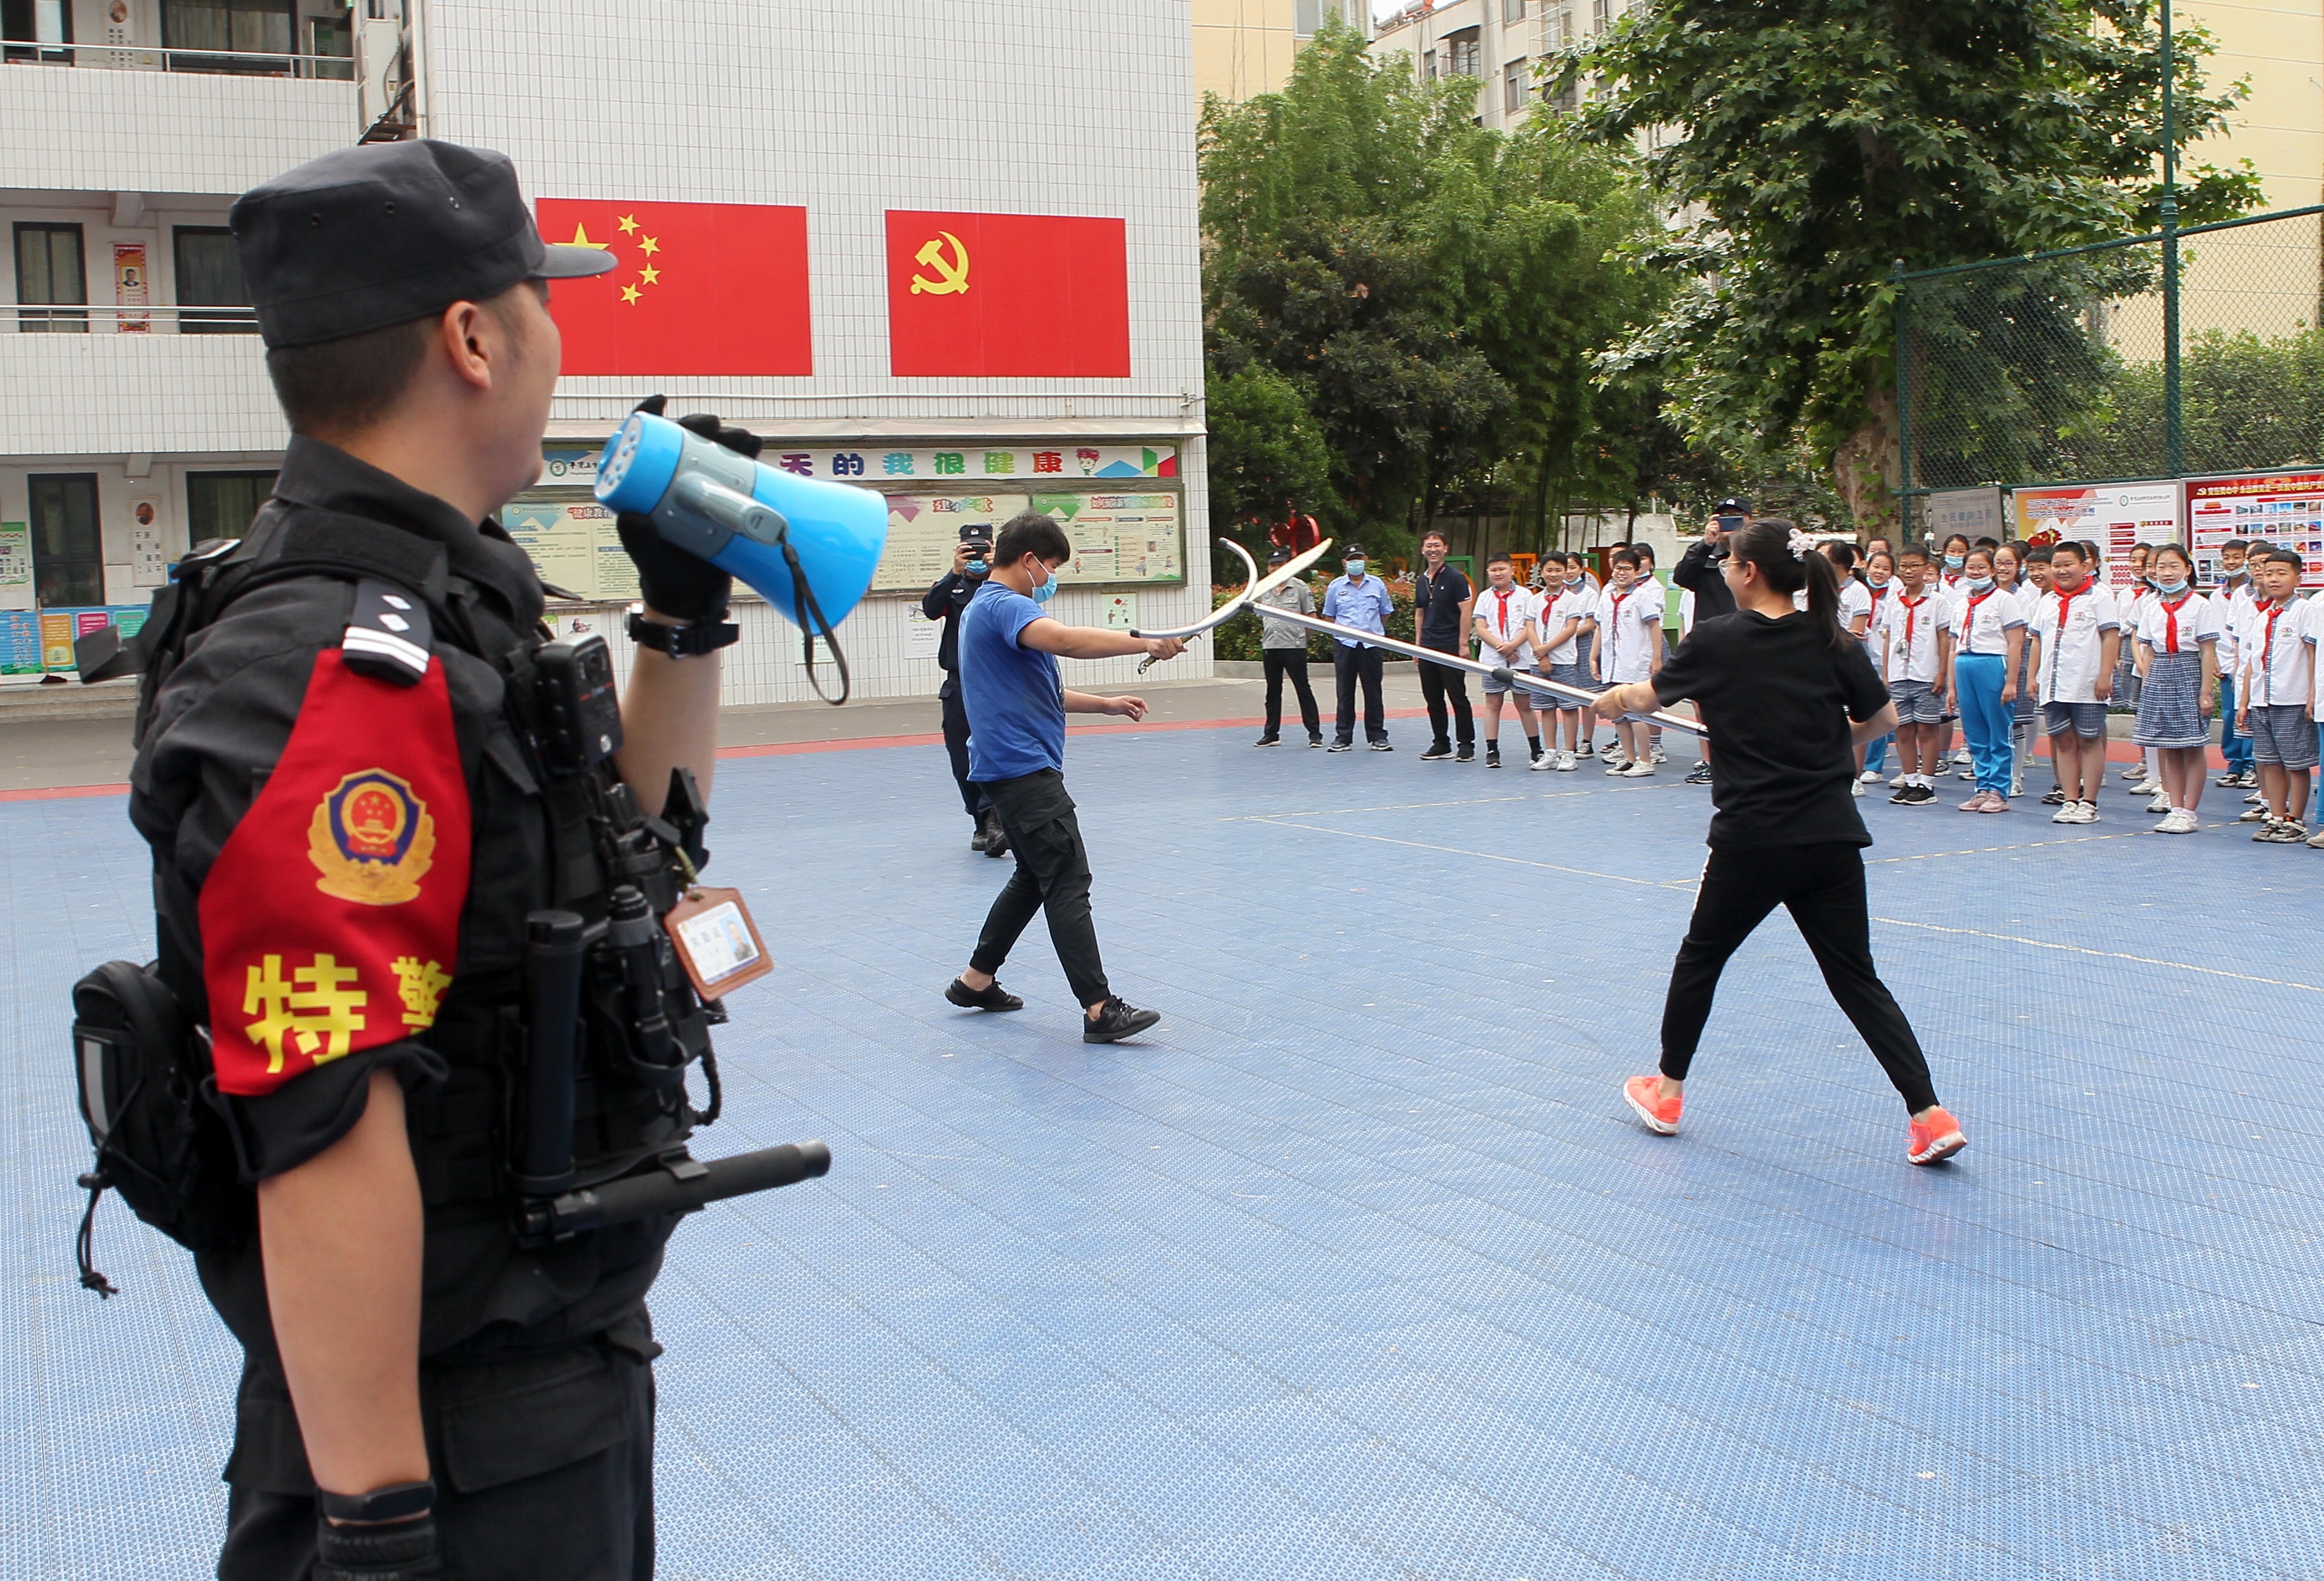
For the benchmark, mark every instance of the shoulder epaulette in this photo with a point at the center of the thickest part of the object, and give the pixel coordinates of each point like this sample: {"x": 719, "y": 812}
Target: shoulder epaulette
{"x": 389, "y": 634}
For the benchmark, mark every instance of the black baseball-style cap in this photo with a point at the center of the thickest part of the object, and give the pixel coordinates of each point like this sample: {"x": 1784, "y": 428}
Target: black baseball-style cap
{"x": 976, "y": 532}
{"x": 1731, "y": 506}
{"x": 384, "y": 233}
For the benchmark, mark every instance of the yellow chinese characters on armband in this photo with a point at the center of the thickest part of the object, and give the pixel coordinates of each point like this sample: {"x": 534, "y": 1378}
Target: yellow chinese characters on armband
{"x": 315, "y": 1012}
{"x": 420, "y": 984}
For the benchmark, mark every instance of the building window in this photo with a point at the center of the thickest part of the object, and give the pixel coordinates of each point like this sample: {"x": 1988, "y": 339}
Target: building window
{"x": 1512, "y": 10}
{"x": 68, "y": 558}
{"x": 27, "y": 24}
{"x": 1465, "y": 56}
{"x": 209, "y": 275}
{"x": 1561, "y": 27}
{"x": 1566, "y": 99}
{"x": 1513, "y": 86}
{"x": 1307, "y": 17}
{"x": 1428, "y": 66}
{"x": 48, "y": 270}
{"x": 1601, "y": 14}
{"x": 263, "y": 32}
{"x": 220, "y": 504}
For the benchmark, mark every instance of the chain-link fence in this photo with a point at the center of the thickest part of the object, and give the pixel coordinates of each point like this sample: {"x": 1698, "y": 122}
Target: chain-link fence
{"x": 2053, "y": 367}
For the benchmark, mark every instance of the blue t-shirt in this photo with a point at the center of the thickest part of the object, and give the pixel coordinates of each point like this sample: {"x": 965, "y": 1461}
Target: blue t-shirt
{"x": 1016, "y": 703}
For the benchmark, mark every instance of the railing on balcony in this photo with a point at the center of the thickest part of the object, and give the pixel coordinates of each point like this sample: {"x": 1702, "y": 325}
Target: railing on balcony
{"x": 82, "y": 318}
{"x": 207, "y": 62}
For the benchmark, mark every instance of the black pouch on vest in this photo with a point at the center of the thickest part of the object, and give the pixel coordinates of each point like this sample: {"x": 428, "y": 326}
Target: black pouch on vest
{"x": 159, "y": 1142}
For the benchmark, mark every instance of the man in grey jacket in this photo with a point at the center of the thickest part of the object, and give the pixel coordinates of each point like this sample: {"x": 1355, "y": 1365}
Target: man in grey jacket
{"x": 1283, "y": 648}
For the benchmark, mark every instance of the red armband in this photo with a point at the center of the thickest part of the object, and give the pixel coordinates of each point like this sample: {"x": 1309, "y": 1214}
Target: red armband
{"x": 330, "y": 921}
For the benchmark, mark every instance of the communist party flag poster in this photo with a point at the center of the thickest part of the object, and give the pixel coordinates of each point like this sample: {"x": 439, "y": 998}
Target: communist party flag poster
{"x": 993, "y": 295}
{"x": 700, "y": 289}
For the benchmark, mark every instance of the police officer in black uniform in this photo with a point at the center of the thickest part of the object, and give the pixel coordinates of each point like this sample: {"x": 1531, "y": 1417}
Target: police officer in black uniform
{"x": 972, "y": 562}
{"x": 352, "y": 812}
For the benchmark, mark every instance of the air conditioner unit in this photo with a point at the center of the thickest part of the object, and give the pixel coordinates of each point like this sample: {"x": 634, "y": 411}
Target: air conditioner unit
{"x": 379, "y": 44}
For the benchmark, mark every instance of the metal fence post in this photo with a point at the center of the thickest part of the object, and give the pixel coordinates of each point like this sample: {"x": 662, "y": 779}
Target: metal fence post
{"x": 1904, "y": 415}
{"x": 2172, "y": 434}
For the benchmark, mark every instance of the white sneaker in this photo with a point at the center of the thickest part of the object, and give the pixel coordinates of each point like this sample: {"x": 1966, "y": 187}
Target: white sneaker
{"x": 2067, "y": 812}
{"x": 1857, "y": 790}
{"x": 1547, "y": 761}
{"x": 2254, "y": 815}
{"x": 2136, "y": 771}
{"x": 2089, "y": 813}
{"x": 1900, "y": 782}
{"x": 2146, "y": 787}
{"x": 1869, "y": 777}
{"x": 2160, "y": 802}
{"x": 1640, "y": 771}
{"x": 1567, "y": 763}
{"x": 1617, "y": 766}
{"x": 1657, "y": 755}
{"x": 2180, "y": 821}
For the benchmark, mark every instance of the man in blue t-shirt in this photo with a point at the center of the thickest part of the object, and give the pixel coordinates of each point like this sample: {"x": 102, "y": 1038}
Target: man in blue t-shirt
{"x": 1016, "y": 708}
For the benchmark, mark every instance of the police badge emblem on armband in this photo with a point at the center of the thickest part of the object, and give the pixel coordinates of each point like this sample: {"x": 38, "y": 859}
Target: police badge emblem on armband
{"x": 371, "y": 839}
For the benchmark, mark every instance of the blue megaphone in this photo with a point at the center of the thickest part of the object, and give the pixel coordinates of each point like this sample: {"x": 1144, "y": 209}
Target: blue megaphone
{"x": 755, "y": 522}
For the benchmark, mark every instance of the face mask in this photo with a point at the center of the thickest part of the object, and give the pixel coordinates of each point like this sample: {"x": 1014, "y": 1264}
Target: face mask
{"x": 1955, "y": 562}
{"x": 1046, "y": 590}
{"x": 2170, "y": 589}
{"x": 978, "y": 568}
{"x": 1980, "y": 584}
{"x": 1353, "y": 567}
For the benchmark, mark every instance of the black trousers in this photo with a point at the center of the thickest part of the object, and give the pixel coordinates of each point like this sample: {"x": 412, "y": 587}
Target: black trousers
{"x": 955, "y": 734}
{"x": 1052, "y": 875}
{"x": 543, "y": 1468}
{"x": 1293, "y": 662}
{"x": 1349, "y": 666}
{"x": 1823, "y": 887}
{"x": 1440, "y": 684}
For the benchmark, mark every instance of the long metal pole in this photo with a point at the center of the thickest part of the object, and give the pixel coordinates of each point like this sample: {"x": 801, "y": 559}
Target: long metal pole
{"x": 1566, "y": 697}
{"x": 1904, "y": 411}
{"x": 2173, "y": 433}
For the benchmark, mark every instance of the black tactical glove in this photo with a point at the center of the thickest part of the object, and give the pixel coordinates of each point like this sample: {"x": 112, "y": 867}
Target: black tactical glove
{"x": 671, "y": 581}
{"x": 389, "y": 1550}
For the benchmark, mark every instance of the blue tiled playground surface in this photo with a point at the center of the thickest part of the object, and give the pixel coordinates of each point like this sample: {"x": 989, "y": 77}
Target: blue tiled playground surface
{"x": 1357, "y": 1267}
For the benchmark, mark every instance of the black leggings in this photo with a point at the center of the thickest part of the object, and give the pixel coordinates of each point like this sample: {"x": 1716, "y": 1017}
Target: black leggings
{"x": 1052, "y": 875}
{"x": 1823, "y": 887}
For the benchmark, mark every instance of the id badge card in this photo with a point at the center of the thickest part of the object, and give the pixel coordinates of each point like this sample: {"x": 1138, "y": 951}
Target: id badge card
{"x": 716, "y": 941}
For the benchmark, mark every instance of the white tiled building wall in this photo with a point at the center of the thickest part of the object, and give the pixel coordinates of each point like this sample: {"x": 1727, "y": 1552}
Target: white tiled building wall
{"x": 85, "y": 128}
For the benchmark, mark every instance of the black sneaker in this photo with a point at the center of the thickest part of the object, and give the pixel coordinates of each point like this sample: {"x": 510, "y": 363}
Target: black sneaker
{"x": 1340, "y": 747}
{"x": 1900, "y": 795}
{"x": 1467, "y": 754}
{"x": 1921, "y": 795}
{"x": 1533, "y": 750}
{"x": 1492, "y": 755}
{"x": 995, "y": 997}
{"x": 1315, "y": 740}
{"x": 1117, "y": 1020}
{"x": 2056, "y": 798}
{"x": 996, "y": 838}
{"x": 982, "y": 838}
{"x": 1380, "y": 745}
{"x": 1437, "y": 753}
{"x": 1698, "y": 774}
{"x": 1267, "y": 741}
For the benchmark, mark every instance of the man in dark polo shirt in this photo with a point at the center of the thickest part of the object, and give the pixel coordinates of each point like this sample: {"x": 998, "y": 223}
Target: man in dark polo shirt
{"x": 1441, "y": 597}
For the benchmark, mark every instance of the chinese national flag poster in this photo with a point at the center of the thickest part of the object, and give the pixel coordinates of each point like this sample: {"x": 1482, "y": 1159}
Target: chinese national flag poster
{"x": 701, "y": 289}
{"x": 992, "y": 296}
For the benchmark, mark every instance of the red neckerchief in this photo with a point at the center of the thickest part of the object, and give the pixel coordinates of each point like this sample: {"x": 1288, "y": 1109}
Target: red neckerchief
{"x": 2065, "y": 613}
{"x": 2267, "y": 645}
{"x": 1969, "y": 616}
{"x": 1877, "y": 594}
{"x": 1912, "y": 608}
{"x": 2170, "y": 620}
{"x": 1502, "y": 613}
{"x": 1619, "y": 600}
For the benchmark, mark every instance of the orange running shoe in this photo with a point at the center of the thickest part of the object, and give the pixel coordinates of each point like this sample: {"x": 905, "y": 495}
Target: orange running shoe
{"x": 1660, "y": 1114}
{"x": 1934, "y": 1139}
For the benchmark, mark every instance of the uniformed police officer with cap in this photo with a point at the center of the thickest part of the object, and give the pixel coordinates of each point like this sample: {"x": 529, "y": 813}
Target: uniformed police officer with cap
{"x": 349, "y": 828}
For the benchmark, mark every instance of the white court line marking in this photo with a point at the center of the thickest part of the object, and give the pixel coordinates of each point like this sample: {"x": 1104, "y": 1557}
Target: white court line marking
{"x": 1418, "y": 806}
{"x": 1979, "y": 851}
{"x": 1457, "y": 850}
{"x": 2107, "y": 954}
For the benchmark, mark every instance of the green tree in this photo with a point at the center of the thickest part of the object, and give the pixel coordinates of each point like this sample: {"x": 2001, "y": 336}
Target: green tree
{"x": 1820, "y": 141}
{"x": 1435, "y": 294}
{"x": 1268, "y": 455}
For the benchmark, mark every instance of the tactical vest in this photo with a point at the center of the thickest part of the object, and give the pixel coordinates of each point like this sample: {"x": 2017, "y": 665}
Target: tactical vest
{"x": 551, "y": 828}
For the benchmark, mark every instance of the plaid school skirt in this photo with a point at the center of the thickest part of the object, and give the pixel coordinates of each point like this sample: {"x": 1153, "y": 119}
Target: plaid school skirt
{"x": 2170, "y": 709}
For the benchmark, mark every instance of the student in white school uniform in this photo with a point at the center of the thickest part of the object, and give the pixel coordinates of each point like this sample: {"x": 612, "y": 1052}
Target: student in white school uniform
{"x": 1562, "y": 622}
{"x": 1879, "y": 585}
{"x": 1855, "y": 615}
{"x": 2178, "y": 655}
{"x": 1503, "y": 619}
{"x": 1630, "y": 649}
{"x": 1914, "y": 645}
{"x": 2230, "y": 596}
{"x": 2076, "y": 637}
{"x": 2278, "y": 691}
{"x": 1988, "y": 634}
{"x": 2313, "y": 634}
{"x": 1701, "y": 773}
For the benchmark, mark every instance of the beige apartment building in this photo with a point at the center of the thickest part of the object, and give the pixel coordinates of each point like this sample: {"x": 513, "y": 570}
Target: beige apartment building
{"x": 1243, "y": 48}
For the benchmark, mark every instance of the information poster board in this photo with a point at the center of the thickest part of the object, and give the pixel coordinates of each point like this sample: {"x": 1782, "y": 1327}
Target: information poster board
{"x": 38, "y": 641}
{"x": 1027, "y": 466}
{"x": 1117, "y": 538}
{"x": 15, "y": 565}
{"x": 574, "y": 544}
{"x": 20, "y": 643}
{"x": 1974, "y": 513}
{"x": 2114, "y": 516}
{"x": 2286, "y": 508}
{"x": 922, "y": 531}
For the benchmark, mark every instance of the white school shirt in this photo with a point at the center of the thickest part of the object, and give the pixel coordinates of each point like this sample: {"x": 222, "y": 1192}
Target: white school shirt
{"x": 1628, "y": 622}
{"x": 1505, "y": 617}
{"x": 1880, "y": 598}
{"x": 2072, "y": 660}
{"x": 1908, "y": 636}
{"x": 2232, "y": 603}
{"x": 2197, "y": 622}
{"x": 1685, "y": 613}
{"x": 1557, "y": 608}
{"x": 1981, "y": 621}
{"x": 2279, "y": 668}
{"x": 1855, "y": 598}
{"x": 2312, "y": 635}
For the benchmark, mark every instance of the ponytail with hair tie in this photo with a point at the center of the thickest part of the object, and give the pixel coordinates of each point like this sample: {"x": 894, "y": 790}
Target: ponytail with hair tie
{"x": 1789, "y": 560}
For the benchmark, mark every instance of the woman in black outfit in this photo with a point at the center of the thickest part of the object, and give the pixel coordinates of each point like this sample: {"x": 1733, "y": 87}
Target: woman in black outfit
{"x": 1786, "y": 695}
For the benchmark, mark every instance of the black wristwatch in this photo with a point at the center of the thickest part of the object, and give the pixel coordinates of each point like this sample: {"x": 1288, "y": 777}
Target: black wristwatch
{"x": 682, "y": 641}
{"x": 399, "y": 1503}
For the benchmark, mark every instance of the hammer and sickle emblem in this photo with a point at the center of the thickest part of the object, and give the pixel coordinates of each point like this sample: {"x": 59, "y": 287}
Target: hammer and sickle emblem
{"x": 952, "y": 278}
